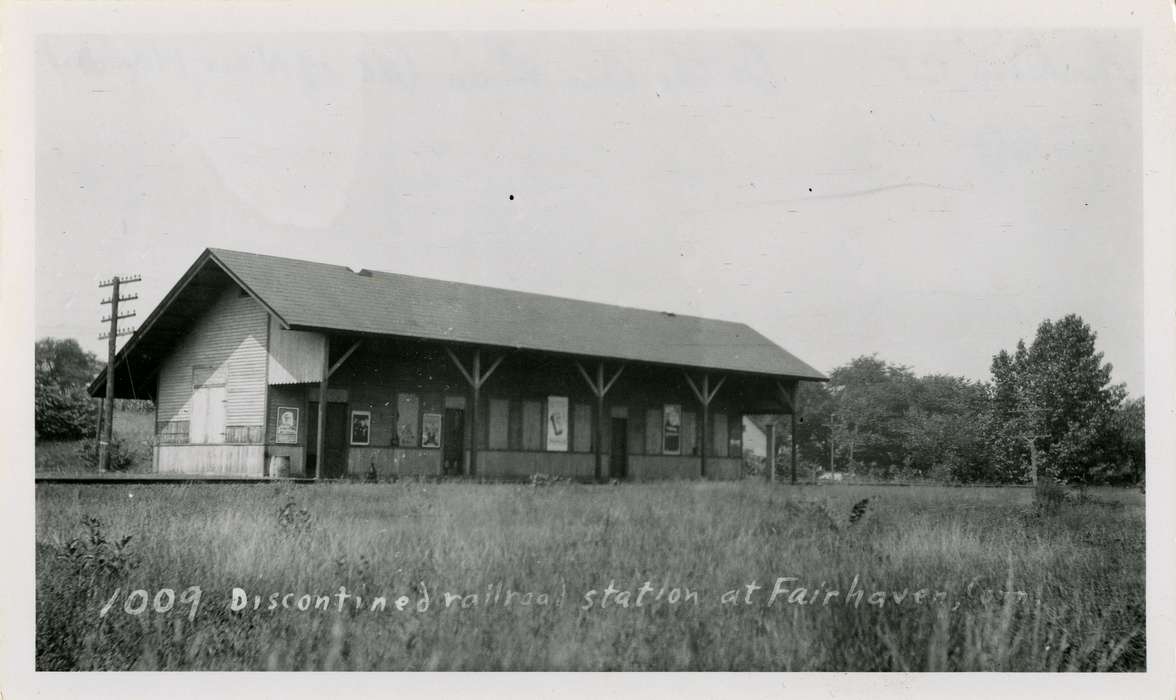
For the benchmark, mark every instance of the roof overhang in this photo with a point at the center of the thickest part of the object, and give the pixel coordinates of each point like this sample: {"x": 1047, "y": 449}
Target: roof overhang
{"x": 167, "y": 323}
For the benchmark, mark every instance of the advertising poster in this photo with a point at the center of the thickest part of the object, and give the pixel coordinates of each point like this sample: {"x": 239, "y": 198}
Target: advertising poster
{"x": 557, "y": 424}
{"x": 672, "y": 429}
{"x": 287, "y": 431}
{"x": 431, "y": 430}
{"x": 361, "y": 427}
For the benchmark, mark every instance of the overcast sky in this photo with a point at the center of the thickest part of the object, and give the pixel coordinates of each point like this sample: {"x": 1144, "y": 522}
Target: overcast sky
{"x": 927, "y": 196}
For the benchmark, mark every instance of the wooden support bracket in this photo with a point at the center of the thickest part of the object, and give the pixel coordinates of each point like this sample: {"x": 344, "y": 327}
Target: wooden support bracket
{"x": 341, "y": 360}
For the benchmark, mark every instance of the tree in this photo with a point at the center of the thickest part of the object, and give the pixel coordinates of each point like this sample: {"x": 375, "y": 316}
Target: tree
{"x": 1128, "y": 445}
{"x": 1054, "y": 400}
{"x": 872, "y": 397}
{"x": 943, "y": 437}
{"x": 63, "y": 409}
{"x": 64, "y": 363}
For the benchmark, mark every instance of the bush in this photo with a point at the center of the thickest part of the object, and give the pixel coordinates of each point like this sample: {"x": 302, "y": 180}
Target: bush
{"x": 64, "y": 414}
{"x": 1049, "y": 495}
{"x": 122, "y": 458}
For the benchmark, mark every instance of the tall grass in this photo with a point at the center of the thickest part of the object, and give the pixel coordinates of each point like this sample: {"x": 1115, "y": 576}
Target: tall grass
{"x": 1080, "y": 567}
{"x": 135, "y": 429}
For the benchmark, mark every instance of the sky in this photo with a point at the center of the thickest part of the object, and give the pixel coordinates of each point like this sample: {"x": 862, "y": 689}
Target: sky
{"x": 929, "y": 196}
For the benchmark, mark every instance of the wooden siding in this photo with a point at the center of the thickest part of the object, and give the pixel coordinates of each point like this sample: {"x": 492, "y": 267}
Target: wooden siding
{"x": 228, "y": 340}
{"x": 393, "y": 461}
{"x": 520, "y": 465}
{"x": 658, "y": 467}
{"x": 381, "y": 372}
{"x": 240, "y": 460}
{"x": 172, "y": 432}
{"x": 295, "y": 357}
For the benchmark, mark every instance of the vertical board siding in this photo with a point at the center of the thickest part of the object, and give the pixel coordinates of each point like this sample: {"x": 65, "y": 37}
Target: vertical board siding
{"x": 229, "y": 341}
{"x": 295, "y": 357}
{"x": 499, "y": 415}
{"x": 582, "y": 427}
{"x": 235, "y": 460}
{"x": 689, "y": 434}
{"x": 653, "y": 431}
{"x": 532, "y": 425}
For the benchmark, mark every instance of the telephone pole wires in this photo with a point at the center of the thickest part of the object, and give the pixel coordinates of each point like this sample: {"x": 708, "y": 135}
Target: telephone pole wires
{"x": 111, "y": 336}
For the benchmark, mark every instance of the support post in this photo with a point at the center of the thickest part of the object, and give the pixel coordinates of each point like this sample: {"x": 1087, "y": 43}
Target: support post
{"x": 321, "y": 427}
{"x": 476, "y": 379}
{"x": 704, "y": 395}
{"x": 599, "y": 389}
{"x": 472, "y": 469}
{"x": 793, "y": 415}
{"x": 706, "y": 427}
{"x": 598, "y": 465}
{"x": 597, "y": 438}
{"x": 771, "y": 450}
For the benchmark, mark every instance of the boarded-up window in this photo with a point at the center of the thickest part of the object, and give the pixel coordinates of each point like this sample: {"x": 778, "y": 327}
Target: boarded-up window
{"x": 532, "y": 425}
{"x": 636, "y": 434}
{"x": 689, "y": 434}
{"x": 718, "y": 445}
{"x": 515, "y": 425}
{"x": 407, "y": 410}
{"x": 499, "y": 424}
{"x": 582, "y": 427}
{"x": 653, "y": 428}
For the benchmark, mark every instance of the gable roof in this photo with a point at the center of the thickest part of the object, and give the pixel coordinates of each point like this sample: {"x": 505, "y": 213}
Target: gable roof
{"x": 305, "y": 295}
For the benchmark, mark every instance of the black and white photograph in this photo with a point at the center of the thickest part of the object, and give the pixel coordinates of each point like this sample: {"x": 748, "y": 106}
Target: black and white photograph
{"x": 829, "y": 348}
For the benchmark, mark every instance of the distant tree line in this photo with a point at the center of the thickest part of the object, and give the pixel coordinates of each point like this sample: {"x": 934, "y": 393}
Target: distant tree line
{"x": 1049, "y": 407}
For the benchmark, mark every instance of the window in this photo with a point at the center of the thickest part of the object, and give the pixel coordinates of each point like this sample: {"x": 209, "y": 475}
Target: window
{"x": 735, "y": 437}
{"x": 499, "y": 424}
{"x": 672, "y": 429}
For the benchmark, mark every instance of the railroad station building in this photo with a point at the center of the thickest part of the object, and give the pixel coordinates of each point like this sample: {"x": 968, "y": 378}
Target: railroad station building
{"x": 266, "y": 366}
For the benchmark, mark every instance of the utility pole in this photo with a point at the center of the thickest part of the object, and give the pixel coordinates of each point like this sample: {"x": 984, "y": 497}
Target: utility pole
{"x": 111, "y": 336}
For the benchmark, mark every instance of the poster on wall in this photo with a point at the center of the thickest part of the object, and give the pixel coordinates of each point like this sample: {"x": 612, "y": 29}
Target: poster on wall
{"x": 407, "y": 410}
{"x": 287, "y": 430}
{"x": 672, "y": 429}
{"x": 557, "y": 423}
{"x": 431, "y": 430}
{"x": 361, "y": 427}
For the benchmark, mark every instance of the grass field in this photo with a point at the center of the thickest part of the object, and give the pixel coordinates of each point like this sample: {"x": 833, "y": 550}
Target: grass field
{"x": 136, "y": 430}
{"x": 528, "y": 571}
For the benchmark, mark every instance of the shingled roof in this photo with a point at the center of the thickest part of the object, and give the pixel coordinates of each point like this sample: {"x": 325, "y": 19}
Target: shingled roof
{"x": 305, "y": 295}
